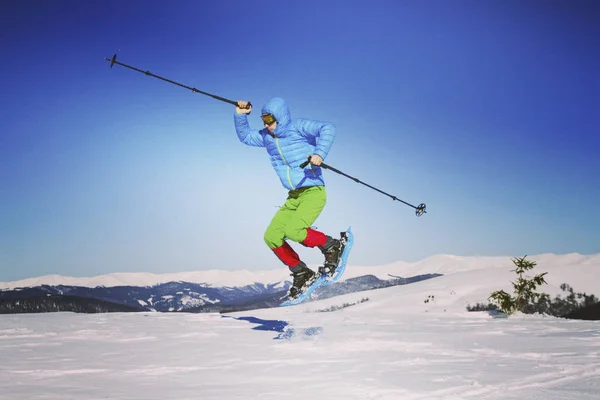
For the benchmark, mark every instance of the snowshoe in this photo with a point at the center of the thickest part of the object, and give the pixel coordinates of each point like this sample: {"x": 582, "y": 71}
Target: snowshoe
{"x": 303, "y": 278}
{"x": 333, "y": 250}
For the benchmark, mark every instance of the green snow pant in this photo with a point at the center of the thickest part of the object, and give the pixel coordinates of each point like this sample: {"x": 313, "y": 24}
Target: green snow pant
{"x": 292, "y": 220}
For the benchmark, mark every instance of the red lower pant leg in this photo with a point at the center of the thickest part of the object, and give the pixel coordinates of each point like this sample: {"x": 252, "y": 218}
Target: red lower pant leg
{"x": 287, "y": 255}
{"x": 314, "y": 238}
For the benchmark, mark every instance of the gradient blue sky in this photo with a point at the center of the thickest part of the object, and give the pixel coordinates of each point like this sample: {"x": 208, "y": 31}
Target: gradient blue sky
{"x": 487, "y": 111}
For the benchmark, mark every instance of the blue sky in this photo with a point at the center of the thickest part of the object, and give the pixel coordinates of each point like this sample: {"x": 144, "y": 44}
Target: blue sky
{"x": 487, "y": 111}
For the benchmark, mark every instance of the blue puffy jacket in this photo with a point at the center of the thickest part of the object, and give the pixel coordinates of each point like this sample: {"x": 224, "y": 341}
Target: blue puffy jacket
{"x": 290, "y": 144}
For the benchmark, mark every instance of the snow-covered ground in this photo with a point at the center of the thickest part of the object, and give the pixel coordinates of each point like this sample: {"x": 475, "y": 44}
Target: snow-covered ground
{"x": 393, "y": 346}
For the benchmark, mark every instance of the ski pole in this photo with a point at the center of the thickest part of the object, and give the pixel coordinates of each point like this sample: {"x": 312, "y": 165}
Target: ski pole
{"x": 419, "y": 210}
{"x": 114, "y": 61}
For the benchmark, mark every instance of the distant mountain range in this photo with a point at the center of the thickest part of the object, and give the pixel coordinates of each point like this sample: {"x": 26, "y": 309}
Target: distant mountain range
{"x": 223, "y": 290}
{"x": 173, "y": 296}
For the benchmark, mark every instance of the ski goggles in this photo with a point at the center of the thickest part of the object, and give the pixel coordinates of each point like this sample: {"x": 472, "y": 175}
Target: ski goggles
{"x": 268, "y": 119}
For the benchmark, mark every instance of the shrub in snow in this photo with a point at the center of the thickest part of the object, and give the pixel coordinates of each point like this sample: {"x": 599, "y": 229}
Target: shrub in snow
{"x": 341, "y": 306}
{"x": 573, "y": 306}
{"x": 482, "y": 307}
{"x": 429, "y": 298}
{"x": 524, "y": 288}
{"x": 563, "y": 307}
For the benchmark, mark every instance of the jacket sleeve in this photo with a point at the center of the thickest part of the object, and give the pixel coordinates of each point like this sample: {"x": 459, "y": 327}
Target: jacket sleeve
{"x": 323, "y": 133}
{"x": 248, "y": 136}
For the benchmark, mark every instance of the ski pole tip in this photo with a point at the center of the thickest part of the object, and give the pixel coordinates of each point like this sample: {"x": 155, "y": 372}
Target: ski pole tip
{"x": 420, "y": 210}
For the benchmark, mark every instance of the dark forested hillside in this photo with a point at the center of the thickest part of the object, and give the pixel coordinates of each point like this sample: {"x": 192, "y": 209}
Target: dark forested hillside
{"x": 57, "y": 303}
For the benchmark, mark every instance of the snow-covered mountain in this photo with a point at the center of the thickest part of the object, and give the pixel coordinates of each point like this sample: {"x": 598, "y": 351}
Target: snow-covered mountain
{"x": 218, "y": 290}
{"x": 208, "y": 278}
{"x": 439, "y": 264}
{"x": 170, "y": 296}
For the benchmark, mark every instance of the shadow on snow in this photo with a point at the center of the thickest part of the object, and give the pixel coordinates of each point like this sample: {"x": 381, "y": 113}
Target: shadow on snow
{"x": 274, "y": 325}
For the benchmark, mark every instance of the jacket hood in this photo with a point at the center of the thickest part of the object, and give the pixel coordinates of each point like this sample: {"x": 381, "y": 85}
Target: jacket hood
{"x": 279, "y": 108}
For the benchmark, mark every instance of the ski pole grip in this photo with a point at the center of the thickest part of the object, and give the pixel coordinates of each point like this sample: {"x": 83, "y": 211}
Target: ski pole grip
{"x": 235, "y": 103}
{"x": 305, "y": 163}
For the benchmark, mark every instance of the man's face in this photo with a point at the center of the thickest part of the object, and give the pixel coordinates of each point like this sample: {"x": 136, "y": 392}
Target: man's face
{"x": 271, "y": 127}
{"x": 269, "y": 121}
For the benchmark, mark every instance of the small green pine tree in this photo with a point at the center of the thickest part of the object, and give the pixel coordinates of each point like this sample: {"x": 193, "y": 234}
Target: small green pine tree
{"x": 524, "y": 288}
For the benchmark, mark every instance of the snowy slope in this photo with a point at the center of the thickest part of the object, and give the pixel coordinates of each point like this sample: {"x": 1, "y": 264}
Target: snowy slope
{"x": 392, "y": 346}
{"x": 471, "y": 280}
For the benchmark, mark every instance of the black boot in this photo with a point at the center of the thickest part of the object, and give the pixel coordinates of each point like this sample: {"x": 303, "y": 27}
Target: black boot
{"x": 332, "y": 250}
{"x": 303, "y": 278}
